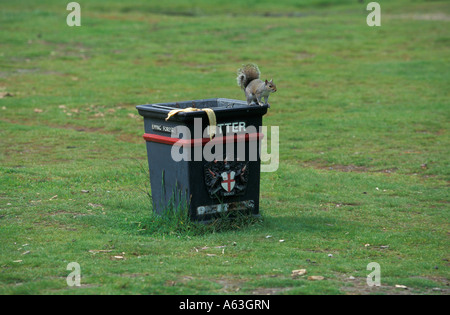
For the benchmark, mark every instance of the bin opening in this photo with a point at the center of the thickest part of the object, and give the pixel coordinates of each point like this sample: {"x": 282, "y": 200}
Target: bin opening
{"x": 222, "y": 107}
{"x": 207, "y": 103}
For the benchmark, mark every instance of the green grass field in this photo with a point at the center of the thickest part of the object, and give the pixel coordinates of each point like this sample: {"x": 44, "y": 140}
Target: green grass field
{"x": 363, "y": 114}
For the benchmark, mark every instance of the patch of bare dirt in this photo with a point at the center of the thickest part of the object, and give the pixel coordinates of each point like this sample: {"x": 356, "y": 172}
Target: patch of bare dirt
{"x": 358, "y": 286}
{"x": 336, "y": 167}
{"x": 119, "y": 136}
{"x": 347, "y": 168}
{"x": 420, "y": 17}
{"x": 269, "y": 291}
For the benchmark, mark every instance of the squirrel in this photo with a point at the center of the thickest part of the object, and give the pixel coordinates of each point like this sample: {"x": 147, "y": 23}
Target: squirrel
{"x": 254, "y": 88}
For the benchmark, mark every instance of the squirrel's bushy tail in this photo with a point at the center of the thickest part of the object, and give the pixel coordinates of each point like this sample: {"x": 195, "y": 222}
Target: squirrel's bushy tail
{"x": 247, "y": 74}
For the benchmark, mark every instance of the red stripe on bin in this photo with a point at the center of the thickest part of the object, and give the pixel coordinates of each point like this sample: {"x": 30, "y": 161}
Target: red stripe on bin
{"x": 202, "y": 141}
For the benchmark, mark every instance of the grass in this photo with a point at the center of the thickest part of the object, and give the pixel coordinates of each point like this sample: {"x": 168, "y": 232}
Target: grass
{"x": 364, "y": 159}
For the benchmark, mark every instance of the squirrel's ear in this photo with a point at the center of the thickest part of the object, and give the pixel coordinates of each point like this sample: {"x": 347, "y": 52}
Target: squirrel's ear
{"x": 271, "y": 81}
{"x": 267, "y": 82}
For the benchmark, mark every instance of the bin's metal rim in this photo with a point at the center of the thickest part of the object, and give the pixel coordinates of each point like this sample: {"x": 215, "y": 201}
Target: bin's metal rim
{"x": 243, "y": 109}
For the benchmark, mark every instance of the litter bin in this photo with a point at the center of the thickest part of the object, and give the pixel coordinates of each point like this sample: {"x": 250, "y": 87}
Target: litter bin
{"x": 209, "y": 171}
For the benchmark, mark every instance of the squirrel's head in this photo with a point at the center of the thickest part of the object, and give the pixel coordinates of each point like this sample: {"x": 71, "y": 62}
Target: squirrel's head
{"x": 271, "y": 86}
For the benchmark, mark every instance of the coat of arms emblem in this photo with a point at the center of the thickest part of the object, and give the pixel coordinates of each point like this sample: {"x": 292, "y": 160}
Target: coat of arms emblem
{"x": 226, "y": 178}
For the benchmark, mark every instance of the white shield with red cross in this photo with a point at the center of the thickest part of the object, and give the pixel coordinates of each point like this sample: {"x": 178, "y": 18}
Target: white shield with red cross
{"x": 228, "y": 181}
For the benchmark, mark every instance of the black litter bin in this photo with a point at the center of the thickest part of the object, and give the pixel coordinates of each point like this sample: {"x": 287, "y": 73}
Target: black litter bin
{"x": 190, "y": 167}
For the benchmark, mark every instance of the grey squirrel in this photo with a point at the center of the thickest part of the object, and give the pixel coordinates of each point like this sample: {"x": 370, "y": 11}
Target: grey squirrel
{"x": 254, "y": 88}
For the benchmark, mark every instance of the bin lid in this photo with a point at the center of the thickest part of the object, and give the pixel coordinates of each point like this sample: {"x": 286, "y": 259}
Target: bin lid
{"x": 222, "y": 107}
